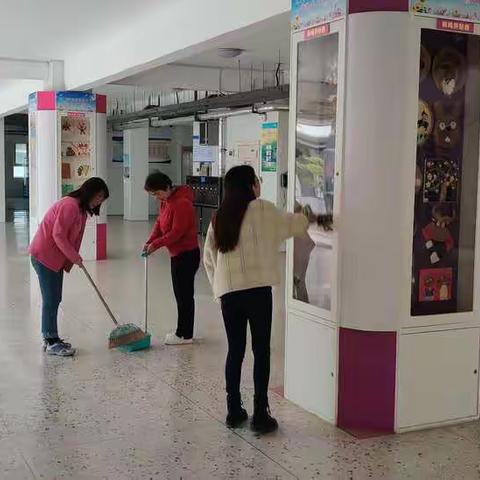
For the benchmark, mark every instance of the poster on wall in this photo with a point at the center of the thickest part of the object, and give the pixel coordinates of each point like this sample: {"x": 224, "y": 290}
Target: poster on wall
{"x": 310, "y": 13}
{"x": 269, "y": 148}
{"x": 456, "y": 9}
{"x": 158, "y": 151}
{"x": 117, "y": 150}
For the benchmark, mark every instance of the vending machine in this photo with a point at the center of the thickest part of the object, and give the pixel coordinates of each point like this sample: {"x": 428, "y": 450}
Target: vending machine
{"x": 67, "y": 145}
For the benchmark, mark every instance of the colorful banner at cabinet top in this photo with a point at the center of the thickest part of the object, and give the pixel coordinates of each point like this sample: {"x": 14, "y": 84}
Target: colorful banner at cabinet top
{"x": 309, "y": 13}
{"x": 460, "y": 9}
{"x": 76, "y": 101}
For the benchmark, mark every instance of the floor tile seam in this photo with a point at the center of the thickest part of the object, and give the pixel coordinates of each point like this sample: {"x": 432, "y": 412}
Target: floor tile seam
{"x": 27, "y": 463}
{"x": 222, "y": 424}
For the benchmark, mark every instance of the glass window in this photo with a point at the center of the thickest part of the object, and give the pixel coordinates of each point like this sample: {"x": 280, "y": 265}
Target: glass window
{"x": 315, "y": 166}
{"x": 448, "y": 129}
{"x": 20, "y": 167}
{"x": 21, "y": 154}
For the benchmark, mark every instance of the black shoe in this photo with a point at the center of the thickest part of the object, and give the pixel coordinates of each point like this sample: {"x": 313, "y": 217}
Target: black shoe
{"x": 262, "y": 420}
{"x": 237, "y": 415}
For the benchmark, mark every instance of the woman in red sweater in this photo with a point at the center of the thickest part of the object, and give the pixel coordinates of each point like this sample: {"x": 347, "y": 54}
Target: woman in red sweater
{"x": 176, "y": 229}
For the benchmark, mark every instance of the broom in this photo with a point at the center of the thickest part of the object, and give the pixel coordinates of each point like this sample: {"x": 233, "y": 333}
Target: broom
{"x": 122, "y": 334}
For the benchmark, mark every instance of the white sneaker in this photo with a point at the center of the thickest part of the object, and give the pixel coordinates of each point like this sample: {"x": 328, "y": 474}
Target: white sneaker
{"x": 172, "y": 339}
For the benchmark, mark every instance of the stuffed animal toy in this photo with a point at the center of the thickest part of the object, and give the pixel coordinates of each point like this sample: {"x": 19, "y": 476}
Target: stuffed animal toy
{"x": 437, "y": 236}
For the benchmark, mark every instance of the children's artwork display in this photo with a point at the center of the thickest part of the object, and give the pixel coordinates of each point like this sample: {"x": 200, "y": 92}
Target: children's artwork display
{"x": 448, "y": 128}
{"x": 76, "y": 150}
{"x": 435, "y": 285}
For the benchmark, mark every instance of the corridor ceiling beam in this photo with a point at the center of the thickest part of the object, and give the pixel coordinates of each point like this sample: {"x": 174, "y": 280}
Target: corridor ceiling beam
{"x": 24, "y": 69}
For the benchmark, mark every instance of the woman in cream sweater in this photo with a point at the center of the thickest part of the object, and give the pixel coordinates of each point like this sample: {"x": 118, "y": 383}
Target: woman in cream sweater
{"x": 241, "y": 259}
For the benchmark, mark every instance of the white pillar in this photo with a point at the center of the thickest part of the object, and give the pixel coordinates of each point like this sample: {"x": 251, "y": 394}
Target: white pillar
{"x": 135, "y": 173}
{"x": 2, "y": 171}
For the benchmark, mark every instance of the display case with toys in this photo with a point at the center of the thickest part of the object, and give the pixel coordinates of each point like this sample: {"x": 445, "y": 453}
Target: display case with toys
{"x": 68, "y": 146}
{"x": 383, "y": 310}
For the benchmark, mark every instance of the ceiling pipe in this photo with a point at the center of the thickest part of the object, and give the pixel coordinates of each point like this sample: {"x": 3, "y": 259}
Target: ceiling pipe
{"x": 172, "y": 122}
{"x": 225, "y": 114}
{"x": 272, "y": 108}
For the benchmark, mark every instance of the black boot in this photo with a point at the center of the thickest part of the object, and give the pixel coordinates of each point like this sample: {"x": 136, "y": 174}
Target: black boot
{"x": 236, "y": 413}
{"x": 262, "y": 421}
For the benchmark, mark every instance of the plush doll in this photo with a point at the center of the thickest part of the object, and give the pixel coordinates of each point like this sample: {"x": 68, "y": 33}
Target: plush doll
{"x": 424, "y": 122}
{"x": 425, "y": 63}
{"x": 437, "y": 236}
{"x": 429, "y": 290}
{"x": 449, "y": 71}
{"x": 447, "y": 124}
{"x": 444, "y": 289}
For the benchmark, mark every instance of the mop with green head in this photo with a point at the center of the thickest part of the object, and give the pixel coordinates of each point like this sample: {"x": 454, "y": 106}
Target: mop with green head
{"x": 123, "y": 336}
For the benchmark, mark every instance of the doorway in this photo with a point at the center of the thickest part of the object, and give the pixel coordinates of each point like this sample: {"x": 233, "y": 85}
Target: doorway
{"x": 16, "y": 167}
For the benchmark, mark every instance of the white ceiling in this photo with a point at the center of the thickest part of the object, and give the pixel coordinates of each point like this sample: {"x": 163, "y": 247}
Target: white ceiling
{"x": 49, "y": 29}
{"x": 262, "y": 47}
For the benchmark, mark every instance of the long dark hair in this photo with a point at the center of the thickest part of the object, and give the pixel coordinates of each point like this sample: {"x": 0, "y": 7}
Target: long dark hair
{"x": 238, "y": 193}
{"x": 88, "y": 191}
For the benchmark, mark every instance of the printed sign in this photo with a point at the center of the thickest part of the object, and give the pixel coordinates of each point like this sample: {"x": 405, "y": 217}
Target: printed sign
{"x": 269, "y": 149}
{"x": 455, "y": 26}
{"x": 310, "y": 13}
{"x": 76, "y": 102}
{"x": 454, "y": 9}
{"x": 316, "y": 32}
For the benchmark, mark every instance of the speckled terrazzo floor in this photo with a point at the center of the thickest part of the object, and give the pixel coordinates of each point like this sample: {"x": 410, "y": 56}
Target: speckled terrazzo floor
{"x": 159, "y": 414}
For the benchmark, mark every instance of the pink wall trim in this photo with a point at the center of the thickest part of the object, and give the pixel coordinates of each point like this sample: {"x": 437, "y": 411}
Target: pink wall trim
{"x": 46, "y": 100}
{"x": 358, "y": 6}
{"x": 366, "y": 385}
{"x": 101, "y": 103}
{"x": 101, "y": 241}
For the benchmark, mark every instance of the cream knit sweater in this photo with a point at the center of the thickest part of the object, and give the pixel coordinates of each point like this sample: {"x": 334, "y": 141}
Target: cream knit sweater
{"x": 254, "y": 262}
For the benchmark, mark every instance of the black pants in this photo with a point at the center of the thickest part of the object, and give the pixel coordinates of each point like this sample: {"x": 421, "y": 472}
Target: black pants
{"x": 239, "y": 308}
{"x": 184, "y": 268}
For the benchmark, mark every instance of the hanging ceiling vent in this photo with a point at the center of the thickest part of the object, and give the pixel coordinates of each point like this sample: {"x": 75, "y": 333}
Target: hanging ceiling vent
{"x": 230, "y": 52}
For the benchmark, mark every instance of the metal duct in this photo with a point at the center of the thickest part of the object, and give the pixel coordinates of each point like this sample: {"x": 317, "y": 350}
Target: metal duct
{"x": 238, "y": 100}
{"x": 155, "y": 122}
{"x": 225, "y": 114}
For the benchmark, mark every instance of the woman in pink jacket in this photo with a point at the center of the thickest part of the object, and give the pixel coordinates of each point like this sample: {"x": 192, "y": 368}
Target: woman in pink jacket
{"x": 55, "y": 248}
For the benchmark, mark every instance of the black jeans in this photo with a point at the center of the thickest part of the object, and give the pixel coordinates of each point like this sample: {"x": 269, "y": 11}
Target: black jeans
{"x": 239, "y": 308}
{"x": 184, "y": 267}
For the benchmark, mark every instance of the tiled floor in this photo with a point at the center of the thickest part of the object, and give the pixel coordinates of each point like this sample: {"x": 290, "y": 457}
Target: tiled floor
{"x": 159, "y": 414}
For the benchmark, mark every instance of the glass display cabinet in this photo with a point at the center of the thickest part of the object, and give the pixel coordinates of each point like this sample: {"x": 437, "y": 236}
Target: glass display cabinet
{"x": 383, "y": 320}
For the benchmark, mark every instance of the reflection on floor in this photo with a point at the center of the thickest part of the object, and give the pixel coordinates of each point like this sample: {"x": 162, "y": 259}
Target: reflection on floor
{"x": 159, "y": 414}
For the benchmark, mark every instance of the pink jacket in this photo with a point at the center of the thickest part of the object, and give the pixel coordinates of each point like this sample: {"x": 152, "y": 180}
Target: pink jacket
{"x": 57, "y": 241}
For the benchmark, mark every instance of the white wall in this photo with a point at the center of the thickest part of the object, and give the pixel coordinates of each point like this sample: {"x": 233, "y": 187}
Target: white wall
{"x": 2, "y": 171}
{"x": 179, "y": 136}
{"x": 187, "y": 27}
{"x": 246, "y": 129}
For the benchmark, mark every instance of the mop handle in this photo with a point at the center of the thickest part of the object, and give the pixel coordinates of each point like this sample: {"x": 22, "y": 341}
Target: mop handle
{"x": 100, "y": 296}
{"x": 146, "y": 293}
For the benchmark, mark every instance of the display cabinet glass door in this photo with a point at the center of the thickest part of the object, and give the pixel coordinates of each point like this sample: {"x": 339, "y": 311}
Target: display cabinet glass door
{"x": 316, "y": 125}
{"x": 448, "y": 129}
